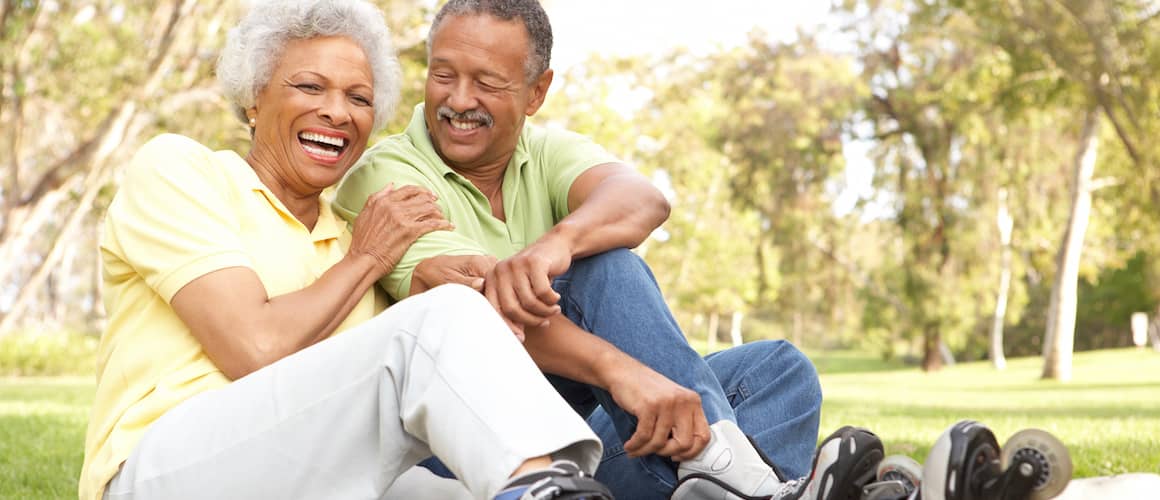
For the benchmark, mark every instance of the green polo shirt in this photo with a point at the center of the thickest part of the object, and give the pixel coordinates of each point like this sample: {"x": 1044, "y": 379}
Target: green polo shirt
{"x": 535, "y": 192}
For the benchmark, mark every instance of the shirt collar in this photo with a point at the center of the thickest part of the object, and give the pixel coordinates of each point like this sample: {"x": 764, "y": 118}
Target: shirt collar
{"x": 327, "y": 227}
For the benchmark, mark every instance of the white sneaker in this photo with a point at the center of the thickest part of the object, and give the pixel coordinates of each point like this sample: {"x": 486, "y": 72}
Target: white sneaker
{"x": 731, "y": 468}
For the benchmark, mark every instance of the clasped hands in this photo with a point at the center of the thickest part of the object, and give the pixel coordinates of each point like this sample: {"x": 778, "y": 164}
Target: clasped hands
{"x": 519, "y": 287}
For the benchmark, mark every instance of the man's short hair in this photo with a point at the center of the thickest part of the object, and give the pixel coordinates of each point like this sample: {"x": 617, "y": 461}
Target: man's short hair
{"x": 529, "y": 11}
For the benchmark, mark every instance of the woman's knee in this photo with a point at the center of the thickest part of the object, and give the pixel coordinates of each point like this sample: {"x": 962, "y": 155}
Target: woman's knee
{"x": 450, "y": 307}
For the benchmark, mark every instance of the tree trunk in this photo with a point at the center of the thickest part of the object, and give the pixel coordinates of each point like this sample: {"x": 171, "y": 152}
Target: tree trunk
{"x": 798, "y": 326}
{"x": 34, "y": 284}
{"x": 1005, "y": 223}
{"x": 735, "y": 328}
{"x": 99, "y": 174}
{"x": 714, "y": 320}
{"x": 1154, "y": 329}
{"x": 96, "y": 317}
{"x": 1060, "y": 335}
{"x": 931, "y": 354}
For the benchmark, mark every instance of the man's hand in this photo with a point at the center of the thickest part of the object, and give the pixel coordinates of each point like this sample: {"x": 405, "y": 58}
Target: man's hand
{"x": 467, "y": 270}
{"x": 520, "y": 287}
{"x": 670, "y": 420}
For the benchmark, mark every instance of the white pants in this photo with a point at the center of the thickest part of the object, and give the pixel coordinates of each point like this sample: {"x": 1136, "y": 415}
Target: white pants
{"x": 438, "y": 374}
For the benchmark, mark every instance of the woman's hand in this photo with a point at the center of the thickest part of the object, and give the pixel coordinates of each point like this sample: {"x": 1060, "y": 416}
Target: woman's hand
{"x": 392, "y": 220}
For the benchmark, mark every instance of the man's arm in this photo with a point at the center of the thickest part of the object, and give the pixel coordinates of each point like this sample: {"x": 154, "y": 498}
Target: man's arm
{"x": 372, "y": 173}
{"x": 610, "y": 206}
{"x": 670, "y": 419}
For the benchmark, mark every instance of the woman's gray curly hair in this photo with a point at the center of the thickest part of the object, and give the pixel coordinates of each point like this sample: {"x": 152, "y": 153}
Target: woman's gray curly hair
{"x": 254, "y": 46}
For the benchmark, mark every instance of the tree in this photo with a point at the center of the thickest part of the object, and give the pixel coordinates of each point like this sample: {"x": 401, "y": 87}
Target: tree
{"x": 790, "y": 109}
{"x": 69, "y": 76}
{"x": 1097, "y": 55}
{"x": 933, "y": 88}
{"x": 666, "y": 132}
{"x": 100, "y": 77}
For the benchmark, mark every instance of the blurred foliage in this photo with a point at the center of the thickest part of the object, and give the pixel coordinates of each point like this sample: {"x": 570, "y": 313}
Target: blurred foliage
{"x": 47, "y": 353}
{"x": 946, "y": 102}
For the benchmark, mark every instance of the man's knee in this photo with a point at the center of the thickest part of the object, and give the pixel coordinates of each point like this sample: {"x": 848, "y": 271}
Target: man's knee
{"x": 618, "y": 265}
{"x": 797, "y": 367}
{"x": 790, "y": 356}
{"x": 770, "y": 363}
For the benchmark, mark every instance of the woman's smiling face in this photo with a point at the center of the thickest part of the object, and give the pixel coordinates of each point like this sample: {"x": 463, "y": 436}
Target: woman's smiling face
{"x": 315, "y": 115}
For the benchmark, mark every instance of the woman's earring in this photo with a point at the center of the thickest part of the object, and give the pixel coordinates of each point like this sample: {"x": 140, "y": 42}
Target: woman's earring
{"x": 253, "y": 122}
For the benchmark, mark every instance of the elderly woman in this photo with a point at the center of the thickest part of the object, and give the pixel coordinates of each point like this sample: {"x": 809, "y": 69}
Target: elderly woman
{"x": 244, "y": 357}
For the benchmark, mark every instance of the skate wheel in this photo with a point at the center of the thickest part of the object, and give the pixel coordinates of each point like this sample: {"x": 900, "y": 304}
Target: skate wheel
{"x": 901, "y": 468}
{"x": 1041, "y": 447}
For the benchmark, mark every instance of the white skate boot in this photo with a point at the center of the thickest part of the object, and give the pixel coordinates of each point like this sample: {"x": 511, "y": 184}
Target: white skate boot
{"x": 731, "y": 468}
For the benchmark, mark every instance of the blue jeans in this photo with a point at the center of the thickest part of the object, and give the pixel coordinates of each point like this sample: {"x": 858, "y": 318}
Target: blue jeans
{"x": 769, "y": 388}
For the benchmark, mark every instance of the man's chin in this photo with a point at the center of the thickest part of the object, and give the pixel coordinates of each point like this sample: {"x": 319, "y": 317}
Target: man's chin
{"x": 457, "y": 156}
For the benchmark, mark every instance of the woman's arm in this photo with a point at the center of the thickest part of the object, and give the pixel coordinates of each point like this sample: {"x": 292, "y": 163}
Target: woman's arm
{"x": 242, "y": 329}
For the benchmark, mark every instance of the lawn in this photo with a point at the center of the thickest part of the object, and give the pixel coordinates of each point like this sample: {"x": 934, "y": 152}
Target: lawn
{"x": 42, "y": 433}
{"x": 1109, "y": 415}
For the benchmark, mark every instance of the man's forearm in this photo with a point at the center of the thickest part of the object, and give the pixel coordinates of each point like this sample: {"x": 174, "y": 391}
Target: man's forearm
{"x": 564, "y": 349}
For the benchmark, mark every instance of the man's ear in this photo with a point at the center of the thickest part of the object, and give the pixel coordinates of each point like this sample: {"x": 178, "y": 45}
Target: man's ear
{"x": 538, "y": 92}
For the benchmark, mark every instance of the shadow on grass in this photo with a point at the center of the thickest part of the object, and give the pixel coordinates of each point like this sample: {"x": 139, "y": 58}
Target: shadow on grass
{"x": 1079, "y": 410}
{"x": 1052, "y": 386}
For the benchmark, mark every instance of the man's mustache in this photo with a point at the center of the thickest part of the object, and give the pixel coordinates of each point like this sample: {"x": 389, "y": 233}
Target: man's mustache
{"x": 471, "y": 115}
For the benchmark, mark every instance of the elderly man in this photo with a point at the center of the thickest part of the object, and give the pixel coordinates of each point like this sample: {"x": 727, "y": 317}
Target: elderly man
{"x": 543, "y": 222}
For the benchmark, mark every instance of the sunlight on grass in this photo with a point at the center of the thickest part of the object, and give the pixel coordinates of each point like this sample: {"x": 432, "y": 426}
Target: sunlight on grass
{"x": 42, "y": 426}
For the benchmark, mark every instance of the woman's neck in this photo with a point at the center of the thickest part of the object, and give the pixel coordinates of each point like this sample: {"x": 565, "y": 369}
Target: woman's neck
{"x": 303, "y": 206}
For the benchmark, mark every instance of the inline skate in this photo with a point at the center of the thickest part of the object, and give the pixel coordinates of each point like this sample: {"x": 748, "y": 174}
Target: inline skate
{"x": 966, "y": 463}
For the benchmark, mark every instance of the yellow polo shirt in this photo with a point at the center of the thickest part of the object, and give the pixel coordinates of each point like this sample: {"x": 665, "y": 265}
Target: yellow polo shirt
{"x": 183, "y": 211}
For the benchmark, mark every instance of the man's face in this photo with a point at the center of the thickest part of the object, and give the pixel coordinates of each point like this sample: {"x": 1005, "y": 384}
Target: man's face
{"x": 477, "y": 93}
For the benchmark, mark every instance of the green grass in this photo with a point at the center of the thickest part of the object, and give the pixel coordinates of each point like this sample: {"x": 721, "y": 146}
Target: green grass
{"x": 42, "y": 428}
{"x": 1109, "y": 415}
